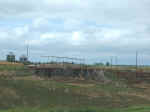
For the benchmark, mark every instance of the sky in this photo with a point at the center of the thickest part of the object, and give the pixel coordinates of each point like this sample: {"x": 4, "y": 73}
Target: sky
{"x": 96, "y": 30}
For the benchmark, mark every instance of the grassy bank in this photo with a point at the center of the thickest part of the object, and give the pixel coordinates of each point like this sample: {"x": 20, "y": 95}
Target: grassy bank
{"x": 11, "y": 67}
{"x": 131, "y": 109}
{"x": 39, "y": 95}
{"x": 25, "y": 92}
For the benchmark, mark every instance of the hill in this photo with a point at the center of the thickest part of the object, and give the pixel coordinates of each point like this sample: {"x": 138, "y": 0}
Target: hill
{"x": 25, "y": 93}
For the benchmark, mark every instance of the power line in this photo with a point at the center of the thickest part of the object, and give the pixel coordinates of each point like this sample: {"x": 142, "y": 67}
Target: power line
{"x": 68, "y": 58}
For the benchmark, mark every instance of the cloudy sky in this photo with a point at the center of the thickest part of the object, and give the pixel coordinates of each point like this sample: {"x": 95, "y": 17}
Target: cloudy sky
{"x": 92, "y": 29}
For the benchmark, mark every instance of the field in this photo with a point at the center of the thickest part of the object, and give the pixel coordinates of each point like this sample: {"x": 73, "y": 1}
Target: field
{"x": 25, "y": 92}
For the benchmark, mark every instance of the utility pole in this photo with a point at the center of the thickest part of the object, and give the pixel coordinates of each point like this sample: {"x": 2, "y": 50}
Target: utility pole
{"x": 136, "y": 64}
{"x": 116, "y": 60}
{"x": 27, "y": 50}
{"x": 111, "y": 61}
{"x": 136, "y": 60}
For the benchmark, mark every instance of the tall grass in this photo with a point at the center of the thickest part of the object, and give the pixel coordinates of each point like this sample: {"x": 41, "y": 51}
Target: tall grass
{"x": 11, "y": 67}
{"x": 130, "y": 109}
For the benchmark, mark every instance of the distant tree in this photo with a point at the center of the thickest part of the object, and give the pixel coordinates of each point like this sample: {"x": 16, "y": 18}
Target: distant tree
{"x": 107, "y": 64}
{"x": 10, "y": 57}
{"x": 99, "y": 64}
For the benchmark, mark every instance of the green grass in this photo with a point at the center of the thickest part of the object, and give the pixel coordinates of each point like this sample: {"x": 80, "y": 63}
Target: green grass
{"x": 15, "y": 70}
{"x": 45, "y": 94}
{"x": 131, "y": 109}
{"x": 11, "y": 67}
{"x": 30, "y": 94}
{"x": 27, "y": 95}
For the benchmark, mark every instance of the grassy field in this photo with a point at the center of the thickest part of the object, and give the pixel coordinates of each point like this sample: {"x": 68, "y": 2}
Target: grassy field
{"x": 28, "y": 93}
{"x": 133, "y": 109}
{"x": 11, "y": 67}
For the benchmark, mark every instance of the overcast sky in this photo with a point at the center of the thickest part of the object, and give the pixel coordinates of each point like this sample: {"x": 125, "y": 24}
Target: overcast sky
{"x": 92, "y": 29}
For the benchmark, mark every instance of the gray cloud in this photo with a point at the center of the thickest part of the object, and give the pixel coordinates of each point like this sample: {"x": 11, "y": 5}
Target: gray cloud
{"x": 95, "y": 29}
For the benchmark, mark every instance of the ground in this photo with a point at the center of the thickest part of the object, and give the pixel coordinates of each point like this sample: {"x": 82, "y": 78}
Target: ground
{"x": 29, "y": 93}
